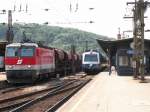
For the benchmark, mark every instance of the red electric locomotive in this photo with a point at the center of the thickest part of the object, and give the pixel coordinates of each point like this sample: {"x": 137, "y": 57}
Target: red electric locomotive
{"x": 26, "y": 62}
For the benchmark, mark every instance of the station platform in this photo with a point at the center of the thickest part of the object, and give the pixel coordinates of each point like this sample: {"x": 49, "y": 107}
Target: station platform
{"x": 111, "y": 94}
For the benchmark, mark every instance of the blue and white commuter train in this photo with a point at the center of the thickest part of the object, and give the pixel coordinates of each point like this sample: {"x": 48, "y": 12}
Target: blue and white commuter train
{"x": 91, "y": 62}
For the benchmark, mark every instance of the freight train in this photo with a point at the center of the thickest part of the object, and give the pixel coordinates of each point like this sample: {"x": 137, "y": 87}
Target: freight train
{"x": 28, "y": 62}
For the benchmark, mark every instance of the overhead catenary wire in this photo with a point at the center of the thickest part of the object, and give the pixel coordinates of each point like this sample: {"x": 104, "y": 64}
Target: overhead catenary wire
{"x": 22, "y": 7}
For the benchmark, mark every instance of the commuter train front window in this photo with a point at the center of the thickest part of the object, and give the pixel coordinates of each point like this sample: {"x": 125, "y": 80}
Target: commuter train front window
{"x": 27, "y": 51}
{"x": 12, "y": 52}
{"x": 91, "y": 57}
{"x": 123, "y": 61}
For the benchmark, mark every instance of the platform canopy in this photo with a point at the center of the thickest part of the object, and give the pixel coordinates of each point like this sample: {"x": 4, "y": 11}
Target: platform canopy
{"x": 112, "y": 45}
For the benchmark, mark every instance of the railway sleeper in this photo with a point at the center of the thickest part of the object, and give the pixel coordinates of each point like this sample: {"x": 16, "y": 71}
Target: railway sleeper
{"x": 49, "y": 94}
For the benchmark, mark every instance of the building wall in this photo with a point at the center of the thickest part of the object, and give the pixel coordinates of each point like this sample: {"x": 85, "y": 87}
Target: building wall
{"x": 124, "y": 59}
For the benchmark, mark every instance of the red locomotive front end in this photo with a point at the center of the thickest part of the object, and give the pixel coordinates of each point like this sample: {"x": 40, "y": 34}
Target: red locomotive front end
{"x": 25, "y": 62}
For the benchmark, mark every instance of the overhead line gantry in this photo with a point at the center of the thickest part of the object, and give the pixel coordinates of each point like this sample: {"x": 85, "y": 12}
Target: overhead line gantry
{"x": 138, "y": 36}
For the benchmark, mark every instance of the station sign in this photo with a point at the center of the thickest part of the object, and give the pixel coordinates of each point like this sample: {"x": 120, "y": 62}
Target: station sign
{"x": 133, "y": 52}
{"x": 130, "y": 51}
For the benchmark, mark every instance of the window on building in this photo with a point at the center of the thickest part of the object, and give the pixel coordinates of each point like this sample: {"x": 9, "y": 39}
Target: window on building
{"x": 123, "y": 61}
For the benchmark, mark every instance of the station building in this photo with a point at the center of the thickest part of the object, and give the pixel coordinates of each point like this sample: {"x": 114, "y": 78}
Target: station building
{"x": 120, "y": 53}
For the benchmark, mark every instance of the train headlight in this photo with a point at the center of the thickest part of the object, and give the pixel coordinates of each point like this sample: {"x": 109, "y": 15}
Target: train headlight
{"x": 10, "y": 66}
{"x": 29, "y": 66}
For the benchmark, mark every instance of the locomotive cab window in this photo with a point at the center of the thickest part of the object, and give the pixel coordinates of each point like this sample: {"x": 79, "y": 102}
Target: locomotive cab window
{"x": 12, "y": 52}
{"x": 20, "y": 51}
{"x": 27, "y": 51}
{"x": 91, "y": 58}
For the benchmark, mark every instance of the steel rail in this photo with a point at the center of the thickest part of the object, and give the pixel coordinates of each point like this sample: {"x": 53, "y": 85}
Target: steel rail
{"x": 8, "y": 107}
{"x": 14, "y": 88}
{"x": 49, "y": 94}
{"x": 66, "y": 98}
{"x": 4, "y": 84}
{"x": 30, "y": 94}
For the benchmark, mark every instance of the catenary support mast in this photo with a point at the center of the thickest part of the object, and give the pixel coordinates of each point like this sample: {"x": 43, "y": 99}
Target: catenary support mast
{"x": 138, "y": 35}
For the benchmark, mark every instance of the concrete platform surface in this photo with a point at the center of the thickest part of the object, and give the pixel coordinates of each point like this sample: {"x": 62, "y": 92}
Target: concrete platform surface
{"x": 110, "y": 94}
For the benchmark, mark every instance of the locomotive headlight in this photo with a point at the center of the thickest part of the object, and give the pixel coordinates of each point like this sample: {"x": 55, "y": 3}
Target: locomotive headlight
{"x": 10, "y": 66}
{"x": 29, "y": 66}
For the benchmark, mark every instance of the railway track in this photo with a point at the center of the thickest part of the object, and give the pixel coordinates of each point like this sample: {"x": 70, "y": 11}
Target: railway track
{"x": 14, "y": 98}
{"x": 65, "y": 98}
{"x": 4, "y": 84}
{"x": 50, "y": 101}
{"x": 23, "y": 86}
{"x": 7, "y": 87}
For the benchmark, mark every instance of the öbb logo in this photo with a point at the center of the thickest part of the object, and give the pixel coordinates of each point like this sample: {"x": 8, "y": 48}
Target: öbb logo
{"x": 19, "y": 61}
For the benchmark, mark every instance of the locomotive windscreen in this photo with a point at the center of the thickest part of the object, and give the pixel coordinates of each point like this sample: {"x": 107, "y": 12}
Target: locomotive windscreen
{"x": 27, "y": 51}
{"x": 12, "y": 52}
{"x": 91, "y": 58}
{"x": 19, "y": 51}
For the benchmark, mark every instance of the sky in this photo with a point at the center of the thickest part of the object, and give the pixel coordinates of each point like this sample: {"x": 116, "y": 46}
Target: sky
{"x": 107, "y": 14}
